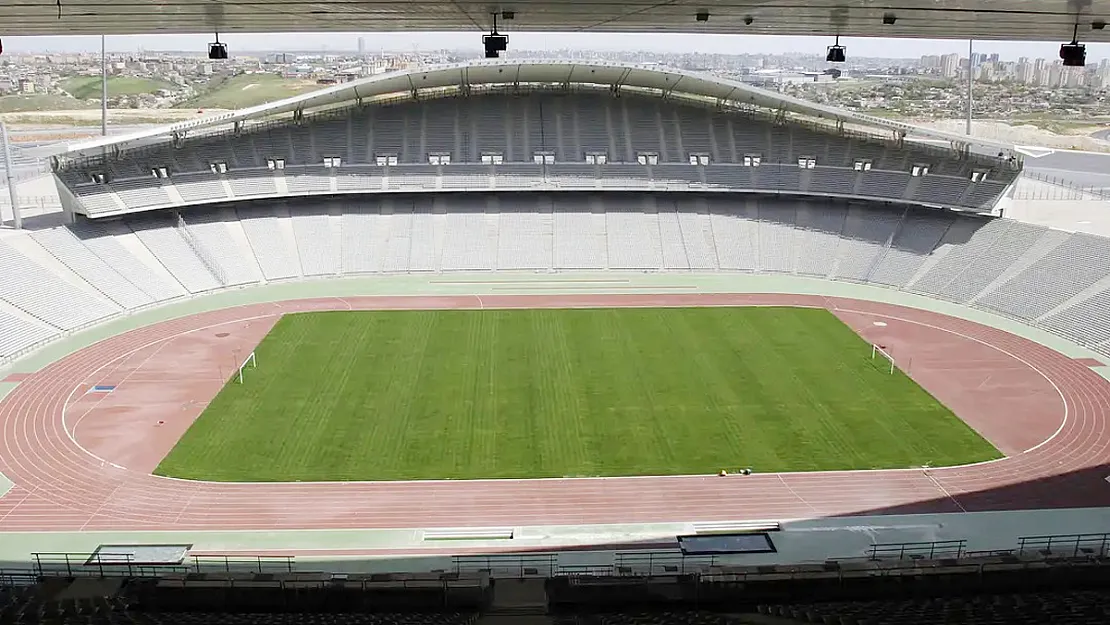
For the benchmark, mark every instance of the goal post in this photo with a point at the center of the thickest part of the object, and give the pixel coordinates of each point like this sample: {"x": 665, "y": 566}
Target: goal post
{"x": 876, "y": 350}
{"x": 249, "y": 360}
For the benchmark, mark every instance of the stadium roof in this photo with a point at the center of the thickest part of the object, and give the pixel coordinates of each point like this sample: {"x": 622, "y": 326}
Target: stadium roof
{"x": 958, "y": 19}
{"x": 504, "y": 71}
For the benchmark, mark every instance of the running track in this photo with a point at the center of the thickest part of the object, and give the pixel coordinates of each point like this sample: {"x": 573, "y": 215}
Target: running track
{"x": 60, "y": 486}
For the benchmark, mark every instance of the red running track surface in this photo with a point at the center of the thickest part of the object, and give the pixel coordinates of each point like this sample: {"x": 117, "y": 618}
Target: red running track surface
{"x": 1046, "y": 411}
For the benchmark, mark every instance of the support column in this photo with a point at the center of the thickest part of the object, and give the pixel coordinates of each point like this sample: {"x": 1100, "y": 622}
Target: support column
{"x": 103, "y": 88}
{"x": 13, "y": 191}
{"x": 970, "y": 80}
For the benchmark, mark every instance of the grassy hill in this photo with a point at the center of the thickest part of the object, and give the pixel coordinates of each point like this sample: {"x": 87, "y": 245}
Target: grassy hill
{"x": 248, "y": 90}
{"x": 40, "y": 102}
{"x": 86, "y": 87}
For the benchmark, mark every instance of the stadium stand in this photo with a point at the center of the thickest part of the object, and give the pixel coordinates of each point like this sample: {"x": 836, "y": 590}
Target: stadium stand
{"x": 1049, "y": 278}
{"x": 18, "y": 334}
{"x": 48, "y": 297}
{"x": 542, "y": 178}
{"x": 914, "y": 583}
{"x": 581, "y": 140}
{"x": 1079, "y": 607}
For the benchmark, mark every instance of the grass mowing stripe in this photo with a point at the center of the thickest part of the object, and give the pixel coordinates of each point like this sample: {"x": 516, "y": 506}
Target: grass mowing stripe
{"x": 549, "y": 393}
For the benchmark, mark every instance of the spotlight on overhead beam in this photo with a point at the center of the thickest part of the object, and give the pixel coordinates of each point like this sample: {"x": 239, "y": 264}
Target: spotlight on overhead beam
{"x": 748, "y": 20}
{"x": 1098, "y": 25}
{"x": 217, "y": 51}
{"x": 495, "y": 44}
{"x": 836, "y": 52}
{"x": 889, "y": 19}
{"x": 701, "y": 16}
{"x": 1073, "y": 54}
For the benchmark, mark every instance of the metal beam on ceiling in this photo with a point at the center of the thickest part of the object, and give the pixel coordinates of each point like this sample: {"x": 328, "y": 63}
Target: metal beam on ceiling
{"x": 946, "y": 19}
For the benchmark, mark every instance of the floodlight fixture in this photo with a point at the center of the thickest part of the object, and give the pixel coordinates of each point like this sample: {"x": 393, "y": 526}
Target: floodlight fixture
{"x": 1074, "y": 54}
{"x": 836, "y": 52}
{"x": 217, "y": 51}
{"x": 494, "y": 43}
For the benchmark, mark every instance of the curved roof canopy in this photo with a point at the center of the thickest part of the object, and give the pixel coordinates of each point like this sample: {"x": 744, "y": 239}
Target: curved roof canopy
{"x": 938, "y": 19}
{"x": 666, "y": 81}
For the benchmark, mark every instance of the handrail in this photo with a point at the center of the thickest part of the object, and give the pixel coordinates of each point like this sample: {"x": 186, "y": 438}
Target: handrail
{"x": 1078, "y": 191}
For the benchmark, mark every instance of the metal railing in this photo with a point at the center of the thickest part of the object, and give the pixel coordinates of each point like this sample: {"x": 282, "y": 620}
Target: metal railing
{"x": 1058, "y": 189}
{"x": 547, "y": 565}
{"x": 97, "y": 565}
{"x": 125, "y": 565}
{"x": 918, "y": 550}
{"x": 202, "y": 253}
{"x": 1066, "y": 545}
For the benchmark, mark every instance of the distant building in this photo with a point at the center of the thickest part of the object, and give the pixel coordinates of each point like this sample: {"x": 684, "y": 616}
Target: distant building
{"x": 949, "y": 65}
{"x": 1073, "y": 79}
{"x": 1025, "y": 73}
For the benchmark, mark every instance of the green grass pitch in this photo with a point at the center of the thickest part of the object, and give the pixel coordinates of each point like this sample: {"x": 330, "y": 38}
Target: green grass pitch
{"x": 542, "y": 393}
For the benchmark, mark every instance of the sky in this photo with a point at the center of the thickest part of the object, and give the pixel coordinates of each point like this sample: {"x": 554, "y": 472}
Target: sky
{"x": 397, "y": 42}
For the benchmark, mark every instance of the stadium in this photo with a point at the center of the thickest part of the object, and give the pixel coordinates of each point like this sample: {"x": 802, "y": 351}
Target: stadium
{"x": 587, "y": 322}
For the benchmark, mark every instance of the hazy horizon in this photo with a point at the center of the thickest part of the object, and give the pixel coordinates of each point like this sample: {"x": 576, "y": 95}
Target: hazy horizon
{"x": 594, "y": 42}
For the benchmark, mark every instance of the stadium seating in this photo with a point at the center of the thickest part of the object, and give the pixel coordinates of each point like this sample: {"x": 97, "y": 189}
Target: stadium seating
{"x": 1077, "y": 607}
{"x": 48, "y": 297}
{"x": 1054, "y": 279}
{"x": 349, "y": 618}
{"x": 668, "y": 617}
{"x": 593, "y": 141}
{"x": 17, "y": 334}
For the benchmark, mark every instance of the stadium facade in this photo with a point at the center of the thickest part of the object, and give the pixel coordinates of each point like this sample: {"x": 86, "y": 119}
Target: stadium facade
{"x": 528, "y": 126}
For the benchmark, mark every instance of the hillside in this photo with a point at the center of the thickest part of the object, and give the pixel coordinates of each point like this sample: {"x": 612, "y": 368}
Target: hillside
{"x": 39, "y": 102}
{"x": 248, "y": 90}
{"x": 88, "y": 87}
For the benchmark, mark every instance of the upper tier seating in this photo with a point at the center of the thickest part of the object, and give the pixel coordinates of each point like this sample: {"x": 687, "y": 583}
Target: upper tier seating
{"x": 593, "y": 141}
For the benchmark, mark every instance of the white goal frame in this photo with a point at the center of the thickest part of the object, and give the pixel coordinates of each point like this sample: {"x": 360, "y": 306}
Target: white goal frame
{"x": 250, "y": 360}
{"x": 875, "y": 350}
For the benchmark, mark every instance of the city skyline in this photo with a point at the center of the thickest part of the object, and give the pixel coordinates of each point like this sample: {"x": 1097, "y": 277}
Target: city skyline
{"x": 594, "y": 42}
